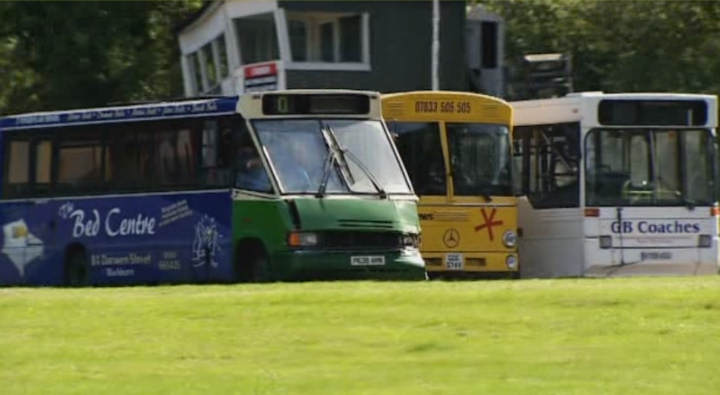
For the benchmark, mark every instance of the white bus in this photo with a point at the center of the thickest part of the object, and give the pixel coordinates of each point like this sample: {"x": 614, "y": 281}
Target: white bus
{"x": 616, "y": 184}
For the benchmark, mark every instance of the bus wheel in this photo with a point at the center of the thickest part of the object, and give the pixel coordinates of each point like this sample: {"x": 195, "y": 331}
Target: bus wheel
{"x": 77, "y": 267}
{"x": 252, "y": 263}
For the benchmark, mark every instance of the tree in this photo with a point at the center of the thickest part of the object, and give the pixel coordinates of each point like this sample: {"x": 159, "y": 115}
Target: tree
{"x": 58, "y": 55}
{"x": 621, "y": 45}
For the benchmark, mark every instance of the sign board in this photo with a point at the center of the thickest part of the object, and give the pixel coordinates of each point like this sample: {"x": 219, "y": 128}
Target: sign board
{"x": 257, "y": 77}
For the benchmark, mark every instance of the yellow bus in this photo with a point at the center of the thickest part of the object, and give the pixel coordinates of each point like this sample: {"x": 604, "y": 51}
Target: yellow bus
{"x": 456, "y": 147}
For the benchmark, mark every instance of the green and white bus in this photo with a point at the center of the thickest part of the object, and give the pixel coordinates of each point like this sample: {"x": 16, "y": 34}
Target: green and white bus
{"x": 268, "y": 186}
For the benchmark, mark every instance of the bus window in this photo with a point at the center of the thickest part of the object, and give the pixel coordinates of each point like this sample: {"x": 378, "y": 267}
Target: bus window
{"x": 209, "y": 147}
{"x": 367, "y": 145}
{"x": 43, "y": 162}
{"x": 421, "y": 151}
{"x": 648, "y": 167}
{"x": 166, "y": 162}
{"x": 250, "y": 172}
{"x": 698, "y": 165}
{"x": 122, "y": 166}
{"x": 18, "y": 170}
{"x": 79, "y": 162}
{"x": 480, "y": 158}
{"x": 186, "y": 157}
{"x": 550, "y": 164}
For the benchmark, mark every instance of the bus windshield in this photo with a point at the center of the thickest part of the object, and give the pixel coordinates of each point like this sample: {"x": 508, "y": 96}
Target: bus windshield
{"x": 480, "y": 159}
{"x": 649, "y": 167}
{"x": 332, "y": 156}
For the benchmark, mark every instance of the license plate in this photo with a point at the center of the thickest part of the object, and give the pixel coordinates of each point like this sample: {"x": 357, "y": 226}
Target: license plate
{"x": 367, "y": 260}
{"x": 656, "y": 256}
{"x": 454, "y": 261}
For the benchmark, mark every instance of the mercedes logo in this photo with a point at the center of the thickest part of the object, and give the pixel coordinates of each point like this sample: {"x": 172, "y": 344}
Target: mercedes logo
{"x": 451, "y": 239}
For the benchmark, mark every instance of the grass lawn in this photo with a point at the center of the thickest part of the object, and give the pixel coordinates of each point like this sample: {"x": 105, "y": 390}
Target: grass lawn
{"x": 637, "y": 335}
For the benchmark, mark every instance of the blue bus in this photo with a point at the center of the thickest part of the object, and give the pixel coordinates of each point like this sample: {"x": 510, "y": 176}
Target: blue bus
{"x": 262, "y": 187}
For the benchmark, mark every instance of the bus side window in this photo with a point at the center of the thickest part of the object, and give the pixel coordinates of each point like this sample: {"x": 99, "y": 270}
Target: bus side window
{"x": 175, "y": 159}
{"x": 122, "y": 169}
{"x": 249, "y": 170}
{"x": 518, "y": 165}
{"x": 549, "y": 166}
{"x": 43, "y": 165}
{"x": 80, "y": 156}
{"x": 215, "y": 153}
{"x": 17, "y": 173}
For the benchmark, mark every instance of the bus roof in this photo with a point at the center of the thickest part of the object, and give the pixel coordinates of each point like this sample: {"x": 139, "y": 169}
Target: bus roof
{"x": 449, "y": 106}
{"x": 186, "y": 108}
{"x": 573, "y": 107}
{"x": 577, "y": 97}
{"x": 442, "y": 93}
{"x": 160, "y": 110}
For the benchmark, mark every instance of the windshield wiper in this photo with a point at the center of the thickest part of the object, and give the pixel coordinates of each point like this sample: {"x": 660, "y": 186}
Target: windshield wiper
{"x": 329, "y": 162}
{"x": 365, "y": 170}
{"x": 343, "y": 154}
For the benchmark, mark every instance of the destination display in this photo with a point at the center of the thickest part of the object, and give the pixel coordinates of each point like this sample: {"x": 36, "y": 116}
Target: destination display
{"x": 653, "y": 112}
{"x": 303, "y": 104}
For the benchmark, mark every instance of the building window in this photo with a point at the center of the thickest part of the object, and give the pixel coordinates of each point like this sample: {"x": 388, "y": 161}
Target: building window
{"x": 209, "y": 61}
{"x": 257, "y": 38}
{"x": 193, "y": 61}
{"x": 350, "y": 38}
{"x": 221, "y": 59}
{"x": 208, "y": 66}
{"x": 298, "y": 40}
{"x": 327, "y": 37}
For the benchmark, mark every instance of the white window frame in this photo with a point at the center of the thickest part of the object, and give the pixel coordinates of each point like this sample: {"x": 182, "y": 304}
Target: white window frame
{"x": 312, "y": 28}
{"x": 200, "y": 55}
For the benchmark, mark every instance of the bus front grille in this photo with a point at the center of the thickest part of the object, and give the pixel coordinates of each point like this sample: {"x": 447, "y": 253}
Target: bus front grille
{"x": 363, "y": 223}
{"x": 362, "y": 240}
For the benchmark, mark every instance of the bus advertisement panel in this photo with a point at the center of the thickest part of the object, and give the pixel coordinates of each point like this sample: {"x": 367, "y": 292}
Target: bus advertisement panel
{"x": 277, "y": 186}
{"x": 457, "y": 150}
{"x": 617, "y": 184}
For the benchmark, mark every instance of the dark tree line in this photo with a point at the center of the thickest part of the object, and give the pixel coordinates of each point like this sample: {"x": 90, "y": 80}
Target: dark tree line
{"x": 621, "y": 45}
{"x": 57, "y": 55}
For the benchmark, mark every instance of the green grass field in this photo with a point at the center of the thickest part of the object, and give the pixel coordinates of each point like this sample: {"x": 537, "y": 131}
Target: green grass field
{"x": 645, "y": 335}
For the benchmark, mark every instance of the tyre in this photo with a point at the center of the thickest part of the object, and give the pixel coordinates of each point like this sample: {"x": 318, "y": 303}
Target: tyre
{"x": 252, "y": 263}
{"x": 77, "y": 268}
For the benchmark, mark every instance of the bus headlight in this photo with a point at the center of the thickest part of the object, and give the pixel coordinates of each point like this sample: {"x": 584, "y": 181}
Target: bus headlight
{"x": 705, "y": 241}
{"x": 605, "y": 242}
{"x": 302, "y": 239}
{"x": 410, "y": 240}
{"x": 511, "y": 262}
{"x": 509, "y": 238}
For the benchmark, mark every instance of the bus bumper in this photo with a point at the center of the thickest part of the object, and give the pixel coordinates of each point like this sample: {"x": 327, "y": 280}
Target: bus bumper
{"x": 339, "y": 265}
{"x": 474, "y": 264}
{"x": 650, "y": 261}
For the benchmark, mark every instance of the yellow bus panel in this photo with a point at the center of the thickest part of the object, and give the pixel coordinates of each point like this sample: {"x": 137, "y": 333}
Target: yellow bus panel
{"x": 461, "y": 233}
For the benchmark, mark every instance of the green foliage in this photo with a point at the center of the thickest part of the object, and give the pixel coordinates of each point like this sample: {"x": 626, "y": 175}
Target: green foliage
{"x": 621, "y": 46}
{"x": 59, "y": 55}
{"x": 613, "y": 336}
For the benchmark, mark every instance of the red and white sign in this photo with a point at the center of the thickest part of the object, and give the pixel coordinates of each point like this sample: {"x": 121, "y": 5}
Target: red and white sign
{"x": 260, "y": 70}
{"x": 261, "y": 77}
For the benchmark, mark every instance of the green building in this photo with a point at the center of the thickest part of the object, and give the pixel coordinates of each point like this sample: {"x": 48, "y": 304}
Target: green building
{"x": 231, "y": 47}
